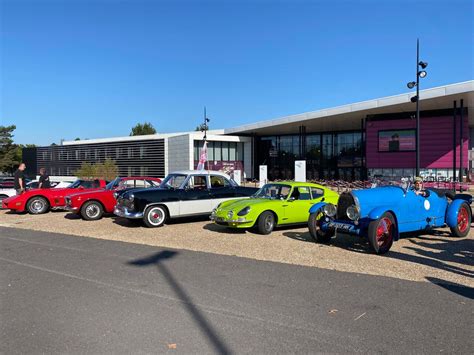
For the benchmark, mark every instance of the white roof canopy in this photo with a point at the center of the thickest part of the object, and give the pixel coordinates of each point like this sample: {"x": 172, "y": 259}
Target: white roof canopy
{"x": 349, "y": 117}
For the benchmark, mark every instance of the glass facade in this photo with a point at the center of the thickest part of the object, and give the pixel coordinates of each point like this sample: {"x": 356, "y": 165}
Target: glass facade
{"x": 332, "y": 155}
{"x": 220, "y": 151}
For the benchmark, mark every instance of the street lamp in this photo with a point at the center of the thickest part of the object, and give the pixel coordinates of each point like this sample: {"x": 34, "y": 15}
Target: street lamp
{"x": 419, "y": 74}
{"x": 204, "y": 127}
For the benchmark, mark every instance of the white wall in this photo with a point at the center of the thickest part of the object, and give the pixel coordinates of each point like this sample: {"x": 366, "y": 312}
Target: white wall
{"x": 180, "y": 153}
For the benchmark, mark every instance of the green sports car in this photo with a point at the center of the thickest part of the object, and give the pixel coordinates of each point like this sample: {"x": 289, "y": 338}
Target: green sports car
{"x": 275, "y": 204}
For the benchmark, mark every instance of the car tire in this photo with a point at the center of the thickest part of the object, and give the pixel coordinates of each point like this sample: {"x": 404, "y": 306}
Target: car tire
{"x": 381, "y": 233}
{"x": 463, "y": 222}
{"x": 318, "y": 235}
{"x": 155, "y": 216}
{"x": 92, "y": 211}
{"x": 37, "y": 205}
{"x": 2, "y": 197}
{"x": 266, "y": 223}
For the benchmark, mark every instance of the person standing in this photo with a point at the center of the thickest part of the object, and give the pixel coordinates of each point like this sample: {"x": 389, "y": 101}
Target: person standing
{"x": 44, "y": 182}
{"x": 20, "y": 179}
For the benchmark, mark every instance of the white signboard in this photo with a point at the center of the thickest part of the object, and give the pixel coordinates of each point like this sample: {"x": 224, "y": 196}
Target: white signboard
{"x": 238, "y": 176}
{"x": 263, "y": 175}
{"x": 300, "y": 170}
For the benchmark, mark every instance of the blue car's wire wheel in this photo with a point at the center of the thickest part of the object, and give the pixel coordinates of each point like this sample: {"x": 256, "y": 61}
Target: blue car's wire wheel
{"x": 463, "y": 221}
{"x": 382, "y": 232}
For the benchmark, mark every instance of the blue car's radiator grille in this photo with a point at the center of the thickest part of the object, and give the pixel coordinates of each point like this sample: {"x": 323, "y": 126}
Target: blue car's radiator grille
{"x": 345, "y": 200}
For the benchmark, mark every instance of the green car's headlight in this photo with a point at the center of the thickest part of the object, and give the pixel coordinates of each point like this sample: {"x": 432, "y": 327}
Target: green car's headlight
{"x": 244, "y": 211}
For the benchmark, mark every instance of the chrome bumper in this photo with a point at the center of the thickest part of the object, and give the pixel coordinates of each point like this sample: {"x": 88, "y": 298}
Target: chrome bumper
{"x": 124, "y": 212}
{"x": 70, "y": 208}
{"x": 221, "y": 220}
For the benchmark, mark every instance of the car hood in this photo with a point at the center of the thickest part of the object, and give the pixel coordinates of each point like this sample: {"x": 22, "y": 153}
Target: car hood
{"x": 368, "y": 199}
{"x": 237, "y": 205}
{"x": 145, "y": 190}
{"x": 86, "y": 193}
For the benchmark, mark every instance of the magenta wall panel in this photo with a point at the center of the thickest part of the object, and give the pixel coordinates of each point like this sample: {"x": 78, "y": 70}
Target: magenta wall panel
{"x": 436, "y": 143}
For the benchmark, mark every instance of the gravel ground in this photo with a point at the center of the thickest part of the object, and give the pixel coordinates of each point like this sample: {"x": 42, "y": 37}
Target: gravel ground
{"x": 435, "y": 257}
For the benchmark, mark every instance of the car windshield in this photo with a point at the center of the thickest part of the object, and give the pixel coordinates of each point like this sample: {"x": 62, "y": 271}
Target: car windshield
{"x": 173, "y": 181}
{"x": 403, "y": 183}
{"x": 273, "y": 191}
{"x": 75, "y": 184}
{"x": 113, "y": 184}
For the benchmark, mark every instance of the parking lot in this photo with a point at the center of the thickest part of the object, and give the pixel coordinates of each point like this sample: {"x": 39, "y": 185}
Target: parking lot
{"x": 436, "y": 257}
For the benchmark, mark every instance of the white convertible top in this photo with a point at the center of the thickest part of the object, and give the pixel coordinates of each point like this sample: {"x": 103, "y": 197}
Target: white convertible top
{"x": 201, "y": 172}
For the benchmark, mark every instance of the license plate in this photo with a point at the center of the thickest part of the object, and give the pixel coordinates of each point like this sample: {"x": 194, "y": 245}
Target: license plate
{"x": 341, "y": 226}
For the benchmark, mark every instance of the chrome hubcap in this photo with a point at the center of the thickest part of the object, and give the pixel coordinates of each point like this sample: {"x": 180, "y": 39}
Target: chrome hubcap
{"x": 37, "y": 205}
{"x": 269, "y": 222}
{"x": 92, "y": 211}
{"x": 156, "y": 216}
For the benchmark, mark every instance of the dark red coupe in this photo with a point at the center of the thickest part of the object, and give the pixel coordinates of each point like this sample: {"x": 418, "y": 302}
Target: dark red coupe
{"x": 91, "y": 205}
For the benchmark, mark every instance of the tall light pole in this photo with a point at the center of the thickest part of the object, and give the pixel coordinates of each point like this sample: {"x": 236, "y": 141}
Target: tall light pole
{"x": 204, "y": 126}
{"x": 420, "y": 73}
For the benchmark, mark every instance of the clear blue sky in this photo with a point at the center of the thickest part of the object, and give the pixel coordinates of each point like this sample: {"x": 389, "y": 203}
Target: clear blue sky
{"x": 93, "y": 69}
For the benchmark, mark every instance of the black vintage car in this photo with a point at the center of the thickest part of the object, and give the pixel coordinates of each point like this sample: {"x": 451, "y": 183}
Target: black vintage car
{"x": 182, "y": 193}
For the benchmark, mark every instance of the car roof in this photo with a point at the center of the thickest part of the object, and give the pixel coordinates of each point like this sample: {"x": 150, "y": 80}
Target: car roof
{"x": 200, "y": 172}
{"x": 296, "y": 183}
{"x": 140, "y": 178}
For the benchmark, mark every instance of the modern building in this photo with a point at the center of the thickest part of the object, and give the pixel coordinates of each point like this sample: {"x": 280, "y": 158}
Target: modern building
{"x": 148, "y": 155}
{"x": 350, "y": 142}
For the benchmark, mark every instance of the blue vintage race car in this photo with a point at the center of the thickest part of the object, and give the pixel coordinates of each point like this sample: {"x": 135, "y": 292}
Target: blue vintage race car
{"x": 382, "y": 213}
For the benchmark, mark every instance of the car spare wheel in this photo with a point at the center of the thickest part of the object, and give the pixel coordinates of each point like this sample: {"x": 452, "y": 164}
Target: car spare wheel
{"x": 463, "y": 221}
{"x": 382, "y": 232}
{"x": 315, "y": 231}
{"x": 92, "y": 211}
{"x": 266, "y": 223}
{"x": 155, "y": 216}
{"x": 37, "y": 205}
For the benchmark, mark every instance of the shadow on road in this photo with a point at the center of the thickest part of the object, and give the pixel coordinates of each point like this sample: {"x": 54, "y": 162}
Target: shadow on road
{"x": 72, "y": 216}
{"x": 439, "y": 255}
{"x": 206, "y": 328}
{"x": 461, "y": 290}
{"x": 212, "y": 227}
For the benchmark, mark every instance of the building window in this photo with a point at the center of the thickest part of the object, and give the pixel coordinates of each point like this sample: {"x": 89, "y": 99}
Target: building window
{"x": 225, "y": 151}
{"x": 232, "y": 151}
{"x": 239, "y": 155}
{"x": 142, "y": 152}
{"x": 210, "y": 151}
{"x": 217, "y": 151}
{"x": 130, "y": 153}
{"x": 77, "y": 155}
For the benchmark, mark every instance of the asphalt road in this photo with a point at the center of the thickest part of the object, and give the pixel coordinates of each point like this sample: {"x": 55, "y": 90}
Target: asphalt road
{"x": 80, "y": 295}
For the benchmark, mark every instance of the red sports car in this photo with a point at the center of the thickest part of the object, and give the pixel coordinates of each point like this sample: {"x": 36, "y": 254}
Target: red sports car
{"x": 39, "y": 201}
{"x": 92, "y": 205}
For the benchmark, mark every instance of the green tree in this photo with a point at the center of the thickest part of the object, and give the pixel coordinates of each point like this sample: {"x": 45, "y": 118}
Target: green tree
{"x": 86, "y": 171}
{"x": 143, "y": 129}
{"x": 10, "y": 153}
{"x": 107, "y": 170}
{"x": 77, "y": 139}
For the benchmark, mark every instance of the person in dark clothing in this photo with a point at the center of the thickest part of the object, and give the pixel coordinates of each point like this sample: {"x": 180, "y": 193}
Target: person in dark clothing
{"x": 20, "y": 179}
{"x": 44, "y": 182}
